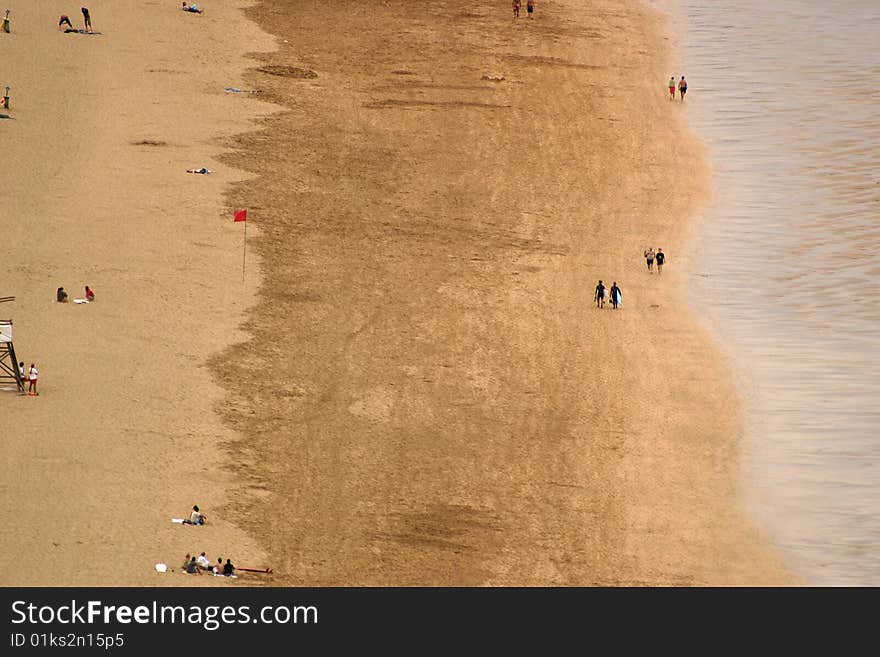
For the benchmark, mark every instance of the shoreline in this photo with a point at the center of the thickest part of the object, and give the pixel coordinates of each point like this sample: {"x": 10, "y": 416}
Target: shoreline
{"x": 390, "y": 412}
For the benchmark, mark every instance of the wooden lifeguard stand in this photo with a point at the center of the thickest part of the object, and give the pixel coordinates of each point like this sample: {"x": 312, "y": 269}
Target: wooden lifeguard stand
{"x": 8, "y": 362}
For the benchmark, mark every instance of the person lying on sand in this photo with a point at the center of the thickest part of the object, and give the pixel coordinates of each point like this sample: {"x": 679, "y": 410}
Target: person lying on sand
{"x": 202, "y": 170}
{"x": 192, "y": 8}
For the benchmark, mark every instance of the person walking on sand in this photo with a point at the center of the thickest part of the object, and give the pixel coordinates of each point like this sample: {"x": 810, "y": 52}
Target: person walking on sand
{"x": 649, "y": 259}
{"x": 615, "y": 295}
{"x": 661, "y": 258}
{"x": 682, "y": 87}
{"x": 530, "y": 7}
{"x": 32, "y": 381}
{"x": 599, "y": 297}
{"x": 671, "y": 87}
{"x": 516, "y": 6}
{"x": 87, "y": 20}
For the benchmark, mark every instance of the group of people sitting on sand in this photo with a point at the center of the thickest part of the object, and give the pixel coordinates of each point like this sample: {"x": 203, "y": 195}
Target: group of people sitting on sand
{"x": 196, "y": 565}
{"x": 61, "y": 295}
{"x": 193, "y": 565}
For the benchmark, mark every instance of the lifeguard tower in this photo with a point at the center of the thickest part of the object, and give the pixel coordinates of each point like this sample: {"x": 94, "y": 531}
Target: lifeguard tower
{"x": 8, "y": 362}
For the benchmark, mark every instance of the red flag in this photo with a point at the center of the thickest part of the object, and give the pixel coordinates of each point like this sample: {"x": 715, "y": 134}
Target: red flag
{"x": 241, "y": 215}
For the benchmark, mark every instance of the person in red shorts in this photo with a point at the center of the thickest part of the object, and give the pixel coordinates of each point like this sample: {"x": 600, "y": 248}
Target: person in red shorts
{"x": 516, "y": 6}
{"x": 32, "y": 381}
{"x": 671, "y": 87}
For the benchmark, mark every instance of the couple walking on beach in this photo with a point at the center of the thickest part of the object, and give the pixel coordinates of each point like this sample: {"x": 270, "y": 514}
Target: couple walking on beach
{"x": 682, "y": 87}
{"x": 650, "y": 256}
{"x": 530, "y": 7}
{"x": 614, "y": 294}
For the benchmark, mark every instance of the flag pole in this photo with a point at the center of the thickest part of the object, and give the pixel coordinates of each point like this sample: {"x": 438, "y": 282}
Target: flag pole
{"x": 241, "y": 215}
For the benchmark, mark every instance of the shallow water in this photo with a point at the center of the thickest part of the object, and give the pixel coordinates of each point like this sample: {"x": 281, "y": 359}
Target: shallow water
{"x": 785, "y": 93}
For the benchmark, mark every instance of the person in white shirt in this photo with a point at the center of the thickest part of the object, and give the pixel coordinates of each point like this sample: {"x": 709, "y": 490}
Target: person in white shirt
{"x": 203, "y": 562}
{"x": 196, "y": 517}
{"x": 32, "y": 381}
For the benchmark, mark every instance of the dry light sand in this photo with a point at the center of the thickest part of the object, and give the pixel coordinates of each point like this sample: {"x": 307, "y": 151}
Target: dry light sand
{"x": 413, "y": 385}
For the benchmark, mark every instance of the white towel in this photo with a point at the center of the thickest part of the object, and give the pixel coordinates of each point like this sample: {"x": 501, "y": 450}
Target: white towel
{"x": 80, "y": 300}
{"x": 161, "y": 568}
{"x": 179, "y": 521}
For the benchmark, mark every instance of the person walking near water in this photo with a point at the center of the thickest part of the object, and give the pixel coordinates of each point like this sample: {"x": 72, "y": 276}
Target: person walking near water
{"x": 599, "y": 297}
{"x": 671, "y": 87}
{"x": 516, "y": 6}
{"x": 682, "y": 87}
{"x": 661, "y": 258}
{"x": 616, "y": 296}
{"x": 649, "y": 259}
{"x": 87, "y": 20}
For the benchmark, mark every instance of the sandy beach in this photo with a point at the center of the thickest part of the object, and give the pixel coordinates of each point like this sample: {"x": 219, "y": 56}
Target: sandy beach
{"x": 95, "y": 192}
{"x": 413, "y": 384}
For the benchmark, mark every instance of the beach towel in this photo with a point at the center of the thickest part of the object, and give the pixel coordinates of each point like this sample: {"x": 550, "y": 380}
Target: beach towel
{"x": 222, "y": 575}
{"x": 75, "y": 31}
{"x": 161, "y": 568}
{"x": 80, "y": 300}
{"x": 179, "y": 521}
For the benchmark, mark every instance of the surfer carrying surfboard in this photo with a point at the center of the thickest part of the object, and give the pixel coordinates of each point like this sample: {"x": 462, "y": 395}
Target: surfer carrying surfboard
{"x": 615, "y": 295}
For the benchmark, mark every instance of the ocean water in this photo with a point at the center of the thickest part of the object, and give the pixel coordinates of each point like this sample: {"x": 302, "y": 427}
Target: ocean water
{"x": 787, "y": 95}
